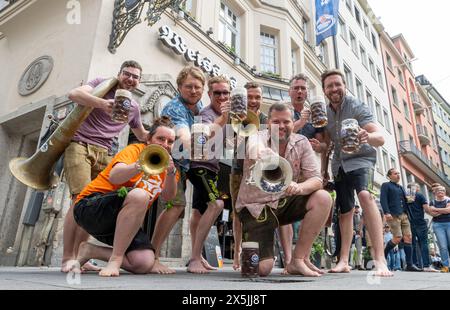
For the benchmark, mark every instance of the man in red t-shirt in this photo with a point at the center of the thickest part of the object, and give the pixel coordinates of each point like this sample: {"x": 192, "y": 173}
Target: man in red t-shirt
{"x": 111, "y": 208}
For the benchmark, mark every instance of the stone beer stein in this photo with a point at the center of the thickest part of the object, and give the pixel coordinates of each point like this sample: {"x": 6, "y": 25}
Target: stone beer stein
{"x": 250, "y": 259}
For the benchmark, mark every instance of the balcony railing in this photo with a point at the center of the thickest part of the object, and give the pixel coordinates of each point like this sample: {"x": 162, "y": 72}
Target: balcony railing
{"x": 407, "y": 147}
{"x": 422, "y": 133}
{"x": 417, "y": 104}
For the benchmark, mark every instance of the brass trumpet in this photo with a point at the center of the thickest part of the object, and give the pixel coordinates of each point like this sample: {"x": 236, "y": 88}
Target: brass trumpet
{"x": 247, "y": 126}
{"x": 154, "y": 159}
{"x": 272, "y": 174}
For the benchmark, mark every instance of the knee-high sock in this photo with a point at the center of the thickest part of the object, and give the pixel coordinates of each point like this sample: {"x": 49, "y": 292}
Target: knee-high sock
{"x": 408, "y": 253}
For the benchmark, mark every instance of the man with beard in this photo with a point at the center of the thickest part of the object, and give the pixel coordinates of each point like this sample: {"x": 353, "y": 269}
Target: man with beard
{"x": 254, "y": 101}
{"x": 87, "y": 155}
{"x": 353, "y": 171}
{"x": 261, "y": 213}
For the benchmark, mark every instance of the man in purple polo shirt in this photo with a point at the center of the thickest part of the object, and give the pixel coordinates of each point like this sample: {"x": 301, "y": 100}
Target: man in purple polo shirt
{"x": 87, "y": 154}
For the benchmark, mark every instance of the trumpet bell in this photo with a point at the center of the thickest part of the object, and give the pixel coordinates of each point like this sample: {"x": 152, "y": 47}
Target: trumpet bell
{"x": 154, "y": 159}
{"x": 272, "y": 174}
{"x": 247, "y": 126}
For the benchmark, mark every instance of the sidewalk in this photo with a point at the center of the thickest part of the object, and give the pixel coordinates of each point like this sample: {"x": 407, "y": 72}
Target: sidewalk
{"x": 34, "y": 278}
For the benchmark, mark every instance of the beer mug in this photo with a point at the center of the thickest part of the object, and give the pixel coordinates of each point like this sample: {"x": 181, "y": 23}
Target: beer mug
{"x": 318, "y": 110}
{"x": 349, "y": 136}
{"x": 411, "y": 194}
{"x": 250, "y": 259}
{"x": 200, "y": 134}
{"x": 238, "y": 102}
{"x": 122, "y": 106}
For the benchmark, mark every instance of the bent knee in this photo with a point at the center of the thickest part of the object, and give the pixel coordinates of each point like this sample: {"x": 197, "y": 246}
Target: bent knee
{"x": 265, "y": 267}
{"x": 322, "y": 199}
{"x": 364, "y": 195}
{"x": 138, "y": 195}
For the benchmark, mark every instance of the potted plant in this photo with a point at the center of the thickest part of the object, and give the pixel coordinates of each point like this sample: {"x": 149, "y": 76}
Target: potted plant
{"x": 317, "y": 251}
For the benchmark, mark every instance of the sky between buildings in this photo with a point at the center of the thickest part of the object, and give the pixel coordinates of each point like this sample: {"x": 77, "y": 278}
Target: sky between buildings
{"x": 425, "y": 26}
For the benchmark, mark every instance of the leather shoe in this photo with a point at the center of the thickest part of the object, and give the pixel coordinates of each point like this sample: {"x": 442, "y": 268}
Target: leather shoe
{"x": 413, "y": 268}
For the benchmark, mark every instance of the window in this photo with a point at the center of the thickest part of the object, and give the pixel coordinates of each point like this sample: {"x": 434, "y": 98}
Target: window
{"x": 366, "y": 30}
{"x": 385, "y": 161}
{"x": 394, "y": 95}
{"x": 294, "y": 61}
{"x": 359, "y": 89}
{"x": 374, "y": 41}
{"x": 433, "y": 143}
{"x": 372, "y": 68}
{"x": 187, "y": 6}
{"x": 378, "y": 111}
{"x": 386, "y": 120}
{"x": 363, "y": 54}
{"x": 357, "y": 15}
{"x": 401, "y": 134}
{"x": 393, "y": 163}
{"x": 388, "y": 61}
{"x": 343, "y": 30}
{"x": 305, "y": 27}
{"x": 268, "y": 53}
{"x": 348, "y": 78}
{"x": 378, "y": 164}
{"x": 406, "y": 108}
{"x": 369, "y": 100}
{"x": 228, "y": 28}
{"x": 400, "y": 76}
{"x": 353, "y": 43}
{"x": 380, "y": 79}
{"x": 323, "y": 52}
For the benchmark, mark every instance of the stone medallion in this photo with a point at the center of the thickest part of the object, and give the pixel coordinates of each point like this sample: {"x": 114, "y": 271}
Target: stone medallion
{"x": 35, "y": 75}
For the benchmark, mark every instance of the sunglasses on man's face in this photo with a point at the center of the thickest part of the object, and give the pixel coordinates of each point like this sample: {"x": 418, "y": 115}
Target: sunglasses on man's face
{"x": 217, "y": 93}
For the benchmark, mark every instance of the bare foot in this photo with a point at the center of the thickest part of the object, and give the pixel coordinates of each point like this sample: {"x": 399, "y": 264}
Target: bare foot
{"x": 207, "y": 265}
{"x": 196, "y": 266}
{"x": 298, "y": 267}
{"x": 381, "y": 269}
{"x": 341, "y": 267}
{"x": 67, "y": 264}
{"x": 285, "y": 271}
{"x": 161, "y": 269}
{"x": 313, "y": 267}
{"x": 236, "y": 262}
{"x": 72, "y": 265}
{"x": 90, "y": 267}
{"x": 111, "y": 270}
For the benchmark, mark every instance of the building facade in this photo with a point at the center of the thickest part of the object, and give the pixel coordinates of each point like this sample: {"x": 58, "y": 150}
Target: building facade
{"x": 49, "y": 47}
{"x": 359, "y": 58}
{"x": 441, "y": 117}
{"x": 412, "y": 116}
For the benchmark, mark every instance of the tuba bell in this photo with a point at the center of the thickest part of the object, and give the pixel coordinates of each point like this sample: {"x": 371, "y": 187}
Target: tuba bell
{"x": 271, "y": 174}
{"x": 37, "y": 171}
{"x": 247, "y": 126}
{"x": 154, "y": 159}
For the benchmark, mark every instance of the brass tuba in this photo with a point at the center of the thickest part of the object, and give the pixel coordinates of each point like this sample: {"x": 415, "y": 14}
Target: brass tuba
{"x": 271, "y": 174}
{"x": 154, "y": 159}
{"x": 247, "y": 126}
{"x": 37, "y": 171}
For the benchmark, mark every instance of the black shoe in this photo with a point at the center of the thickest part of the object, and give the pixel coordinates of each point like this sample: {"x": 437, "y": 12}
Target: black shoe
{"x": 413, "y": 268}
{"x": 361, "y": 268}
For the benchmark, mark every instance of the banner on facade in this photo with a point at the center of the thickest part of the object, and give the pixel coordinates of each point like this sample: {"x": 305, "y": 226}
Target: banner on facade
{"x": 326, "y": 19}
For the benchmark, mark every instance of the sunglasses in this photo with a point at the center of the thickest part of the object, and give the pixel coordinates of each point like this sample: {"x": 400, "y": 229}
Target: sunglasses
{"x": 217, "y": 93}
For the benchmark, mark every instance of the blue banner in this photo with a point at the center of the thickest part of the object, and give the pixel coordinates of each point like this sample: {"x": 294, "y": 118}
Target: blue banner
{"x": 326, "y": 19}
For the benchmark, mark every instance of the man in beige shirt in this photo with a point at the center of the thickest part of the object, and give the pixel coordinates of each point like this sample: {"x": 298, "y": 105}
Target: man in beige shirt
{"x": 261, "y": 213}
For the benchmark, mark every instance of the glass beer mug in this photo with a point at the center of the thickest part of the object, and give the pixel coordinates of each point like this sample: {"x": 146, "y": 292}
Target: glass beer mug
{"x": 349, "y": 136}
{"x": 318, "y": 110}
